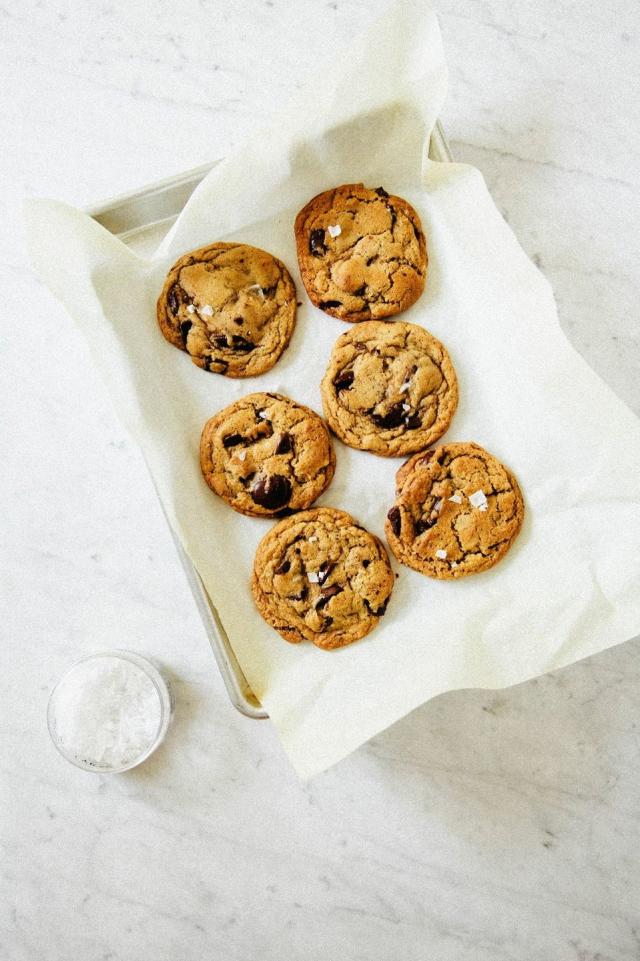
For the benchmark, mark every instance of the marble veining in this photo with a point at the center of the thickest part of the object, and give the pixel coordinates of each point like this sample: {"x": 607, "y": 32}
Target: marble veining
{"x": 487, "y": 826}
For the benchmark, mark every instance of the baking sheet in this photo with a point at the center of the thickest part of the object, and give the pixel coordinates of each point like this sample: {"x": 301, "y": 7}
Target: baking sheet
{"x": 141, "y": 219}
{"x": 571, "y": 584}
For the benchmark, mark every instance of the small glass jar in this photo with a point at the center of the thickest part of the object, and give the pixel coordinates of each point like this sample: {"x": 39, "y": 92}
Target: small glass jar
{"x": 59, "y": 703}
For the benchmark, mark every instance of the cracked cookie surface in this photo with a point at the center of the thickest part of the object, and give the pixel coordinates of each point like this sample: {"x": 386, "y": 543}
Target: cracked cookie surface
{"x": 457, "y": 511}
{"x": 266, "y": 454}
{"x": 319, "y": 576}
{"x": 390, "y": 388}
{"x": 362, "y": 253}
{"x": 232, "y": 307}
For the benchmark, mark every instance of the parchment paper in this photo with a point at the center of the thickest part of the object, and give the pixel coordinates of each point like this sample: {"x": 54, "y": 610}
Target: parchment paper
{"x": 571, "y": 584}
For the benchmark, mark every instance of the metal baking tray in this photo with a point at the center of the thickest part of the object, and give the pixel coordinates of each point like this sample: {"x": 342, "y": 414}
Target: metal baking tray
{"x": 141, "y": 219}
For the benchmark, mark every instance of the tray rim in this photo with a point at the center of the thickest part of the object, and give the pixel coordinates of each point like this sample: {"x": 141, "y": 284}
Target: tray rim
{"x": 118, "y": 212}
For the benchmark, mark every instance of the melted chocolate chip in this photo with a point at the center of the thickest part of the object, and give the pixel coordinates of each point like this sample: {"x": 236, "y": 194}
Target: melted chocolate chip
{"x": 317, "y": 246}
{"x": 380, "y": 610}
{"x": 219, "y": 340}
{"x": 185, "y": 327}
{"x": 284, "y": 568}
{"x": 241, "y": 344}
{"x": 272, "y": 491}
{"x": 324, "y": 571}
{"x": 413, "y": 421}
{"x": 381, "y": 192}
{"x": 232, "y": 440}
{"x": 325, "y": 594}
{"x": 395, "y": 520}
{"x": 417, "y": 233}
{"x": 370, "y": 260}
{"x": 424, "y": 525}
{"x": 344, "y": 380}
{"x": 284, "y": 445}
{"x": 360, "y": 291}
{"x": 366, "y": 563}
{"x": 393, "y": 417}
{"x": 174, "y": 299}
{"x": 327, "y": 304}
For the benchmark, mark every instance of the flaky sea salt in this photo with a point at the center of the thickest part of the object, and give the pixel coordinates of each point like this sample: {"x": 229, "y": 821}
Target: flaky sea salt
{"x": 456, "y": 499}
{"x": 478, "y": 500}
{"x": 335, "y": 230}
{"x": 438, "y": 505}
{"x": 313, "y": 578}
{"x": 107, "y": 712}
{"x": 312, "y": 540}
{"x": 241, "y": 455}
{"x": 262, "y": 414}
{"x": 405, "y": 387}
{"x": 257, "y": 289}
{"x": 191, "y": 309}
{"x": 442, "y": 555}
{"x": 206, "y": 311}
{"x": 406, "y": 407}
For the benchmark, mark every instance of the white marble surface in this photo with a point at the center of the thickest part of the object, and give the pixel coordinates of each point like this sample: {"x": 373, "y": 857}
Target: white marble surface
{"x": 484, "y": 827}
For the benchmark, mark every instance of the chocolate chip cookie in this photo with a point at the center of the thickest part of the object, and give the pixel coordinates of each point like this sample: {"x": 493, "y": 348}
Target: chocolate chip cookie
{"x": 457, "y": 511}
{"x": 265, "y": 454}
{"x": 319, "y": 575}
{"x": 390, "y": 388}
{"x": 362, "y": 253}
{"x": 230, "y": 306}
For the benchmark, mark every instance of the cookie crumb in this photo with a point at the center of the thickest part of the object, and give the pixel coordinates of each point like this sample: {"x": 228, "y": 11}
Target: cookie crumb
{"x": 442, "y": 555}
{"x": 478, "y": 500}
{"x": 334, "y": 230}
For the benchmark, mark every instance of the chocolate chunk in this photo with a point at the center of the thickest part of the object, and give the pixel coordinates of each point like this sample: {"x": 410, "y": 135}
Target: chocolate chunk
{"x": 301, "y": 596}
{"x": 344, "y": 380}
{"x": 325, "y": 594}
{"x": 219, "y": 340}
{"x": 360, "y": 291}
{"x": 272, "y": 491}
{"x": 393, "y": 417}
{"x": 370, "y": 260}
{"x": 324, "y": 304}
{"x": 285, "y": 444}
{"x": 185, "y": 327}
{"x": 417, "y": 233}
{"x": 284, "y": 568}
{"x": 317, "y": 245}
{"x": 174, "y": 300}
{"x": 232, "y": 440}
{"x": 424, "y": 525}
{"x": 328, "y": 621}
{"x": 324, "y": 571}
{"x": 395, "y": 520}
{"x": 366, "y": 563}
{"x": 239, "y": 321}
{"x": 413, "y": 421}
{"x": 380, "y": 610}
{"x": 241, "y": 344}
{"x": 381, "y": 192}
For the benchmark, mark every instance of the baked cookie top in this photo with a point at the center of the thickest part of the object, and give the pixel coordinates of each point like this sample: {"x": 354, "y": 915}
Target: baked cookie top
{"x": 319, "y": 575}
{"x": 362, "y": 253}
{"x": 457, "y": 511}
{"x": 265, "y": 454}
{"x": 232, "y": 307}
{"x": 390, "y": 388}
